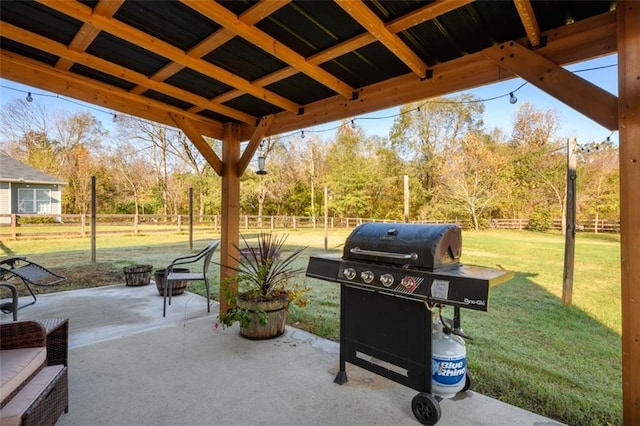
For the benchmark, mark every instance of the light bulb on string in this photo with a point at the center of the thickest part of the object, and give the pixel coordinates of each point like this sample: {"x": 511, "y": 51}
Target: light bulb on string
{"x": 302, "y": 134}
{"x": 29, "y": 97}
{"x": 512, "y": 98}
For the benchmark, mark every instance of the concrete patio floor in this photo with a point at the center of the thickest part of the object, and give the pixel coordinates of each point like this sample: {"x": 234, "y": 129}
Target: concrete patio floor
{"x": 130, "y": 366}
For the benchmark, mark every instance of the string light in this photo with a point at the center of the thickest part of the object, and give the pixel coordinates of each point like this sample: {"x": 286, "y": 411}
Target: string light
{"x": 353, "y": 124}
{"x": 512, "y": 100}
{"x": 115, "y": 118}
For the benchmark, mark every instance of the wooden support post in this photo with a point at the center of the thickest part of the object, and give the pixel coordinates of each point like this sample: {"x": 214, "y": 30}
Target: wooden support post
{"x": 230, "y": 221}
{"x": 628, "y": 14}
{"x": 570, "y": 224}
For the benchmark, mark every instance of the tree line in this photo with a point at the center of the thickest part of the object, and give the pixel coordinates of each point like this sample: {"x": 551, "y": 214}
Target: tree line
{"x": 457, "y": 169}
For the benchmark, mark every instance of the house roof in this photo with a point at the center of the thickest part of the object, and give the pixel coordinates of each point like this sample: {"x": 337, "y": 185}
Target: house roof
{"x": 12, "y": 170}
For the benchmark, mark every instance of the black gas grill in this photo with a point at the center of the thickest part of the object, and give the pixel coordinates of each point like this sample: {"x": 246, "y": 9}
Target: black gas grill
{"x": 393, "y": 276}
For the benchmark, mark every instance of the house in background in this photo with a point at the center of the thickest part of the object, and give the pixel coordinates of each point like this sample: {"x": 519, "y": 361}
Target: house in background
{"x": 27, "y": 191}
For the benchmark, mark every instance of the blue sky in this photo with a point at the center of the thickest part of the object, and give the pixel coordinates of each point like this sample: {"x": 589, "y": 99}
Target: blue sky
{"x": 498, "y": 112}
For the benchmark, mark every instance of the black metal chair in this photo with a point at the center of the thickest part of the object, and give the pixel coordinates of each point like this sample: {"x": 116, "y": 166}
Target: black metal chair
{"x": 203, "y": 258}
{"x": 30, "y": 273}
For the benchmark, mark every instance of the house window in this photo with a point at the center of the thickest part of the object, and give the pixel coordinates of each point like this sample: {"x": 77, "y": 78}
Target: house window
{"x": 34, "y": 200}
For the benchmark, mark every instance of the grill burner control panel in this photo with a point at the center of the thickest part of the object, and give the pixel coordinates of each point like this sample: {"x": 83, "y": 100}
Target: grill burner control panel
{"x": 457, "y": 285}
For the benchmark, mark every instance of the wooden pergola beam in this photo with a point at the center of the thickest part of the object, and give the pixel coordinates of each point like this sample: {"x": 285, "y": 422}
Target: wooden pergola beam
{"x": 430, "y": 11}
{"x": 254, "y": 142}
{"x": 253, "y": 15}
{"x": 529, "y": 21}
{"x": 85, "y": 14}
{"x": 192, "y": 132}
{"x": 578, "y": 93}
{"x": 87, "y": 33}
{"x": 18, "y": 34}
{"x": 582, "y": 40}
{"x": 365, "y": 16}
{"x": 32, "y": 73}
{"x": 227, "y": 19}
{"x": 629, "y": 125}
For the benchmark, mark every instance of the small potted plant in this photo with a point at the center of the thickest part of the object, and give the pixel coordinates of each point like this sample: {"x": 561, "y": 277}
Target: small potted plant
{"x": 265, "y": 288}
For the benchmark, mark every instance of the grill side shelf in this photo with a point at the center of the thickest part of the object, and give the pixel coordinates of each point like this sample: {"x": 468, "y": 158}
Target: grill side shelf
{"x": 324, "y": 267}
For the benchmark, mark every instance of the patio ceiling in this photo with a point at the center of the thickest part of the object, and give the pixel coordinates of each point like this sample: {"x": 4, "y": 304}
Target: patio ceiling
{"x": 300, "y": 63}
{"x": 243, "y": 70}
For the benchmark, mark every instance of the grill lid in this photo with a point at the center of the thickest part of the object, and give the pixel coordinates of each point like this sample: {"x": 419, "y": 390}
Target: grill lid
{"x": 421, "y": 246}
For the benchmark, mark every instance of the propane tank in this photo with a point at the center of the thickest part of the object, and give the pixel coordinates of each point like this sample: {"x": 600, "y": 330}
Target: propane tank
{"x": 448, "y": 362}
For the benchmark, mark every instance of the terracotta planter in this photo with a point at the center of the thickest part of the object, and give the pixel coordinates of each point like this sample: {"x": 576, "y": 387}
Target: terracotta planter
{"x": 276, "y": 311}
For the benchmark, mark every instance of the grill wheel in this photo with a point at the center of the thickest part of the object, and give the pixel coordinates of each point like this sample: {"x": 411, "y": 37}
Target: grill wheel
{"x": 426, "y": 408}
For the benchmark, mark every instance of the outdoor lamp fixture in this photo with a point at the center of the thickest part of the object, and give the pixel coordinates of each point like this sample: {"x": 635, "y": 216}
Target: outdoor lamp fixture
{"x": 261, "y": 161}
{"x": 512, "y": 98}
{"x": 29, "y": 97}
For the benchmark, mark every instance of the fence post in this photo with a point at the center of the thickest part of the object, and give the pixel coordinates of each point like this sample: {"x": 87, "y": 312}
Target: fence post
{"x": 83, "y": 222}
{"x": 179, "y": 223}
{"x": 14, "y": 226}
{"x": 293, "y": 221}
{"x": 273, "y": 225}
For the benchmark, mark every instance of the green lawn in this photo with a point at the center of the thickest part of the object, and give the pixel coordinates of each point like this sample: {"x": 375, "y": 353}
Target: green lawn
{"x": 528, "y": 349}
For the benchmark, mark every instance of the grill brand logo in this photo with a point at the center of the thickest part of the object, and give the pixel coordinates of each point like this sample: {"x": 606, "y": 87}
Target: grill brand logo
{"x": 409, "y": 284}
{"x": 478, "y": 302}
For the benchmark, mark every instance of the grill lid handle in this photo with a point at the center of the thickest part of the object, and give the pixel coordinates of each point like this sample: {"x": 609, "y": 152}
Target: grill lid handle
{"x": 408, "y": 256}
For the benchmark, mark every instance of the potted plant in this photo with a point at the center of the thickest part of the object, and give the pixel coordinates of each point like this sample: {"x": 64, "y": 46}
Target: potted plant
{"x": 265, "y": 288}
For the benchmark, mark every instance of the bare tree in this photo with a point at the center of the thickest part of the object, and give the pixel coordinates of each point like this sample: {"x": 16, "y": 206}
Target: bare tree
{"x": 172, "y": 155}
{"x": 475, "y": 174}
{"x": 135, "y": 172}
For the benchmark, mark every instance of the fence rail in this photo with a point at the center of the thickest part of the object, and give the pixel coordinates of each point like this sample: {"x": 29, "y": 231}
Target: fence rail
{"x": 43, "y": 226}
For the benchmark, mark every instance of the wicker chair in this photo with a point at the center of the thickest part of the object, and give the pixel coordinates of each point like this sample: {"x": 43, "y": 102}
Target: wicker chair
{"x": 203, "y": 258}
{"x": 41, "y": 396}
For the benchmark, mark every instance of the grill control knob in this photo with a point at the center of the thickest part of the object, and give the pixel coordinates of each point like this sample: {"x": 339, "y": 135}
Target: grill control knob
{"x": 367, "y": 276}
{"x": 386, "y": 280}
{"x": 350, "y": 273}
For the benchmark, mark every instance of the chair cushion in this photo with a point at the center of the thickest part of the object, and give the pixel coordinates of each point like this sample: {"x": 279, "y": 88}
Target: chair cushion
{"x": 185, "y": 276}
{"x": 17, "y": 366}
{"x": 11, "y": 414}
